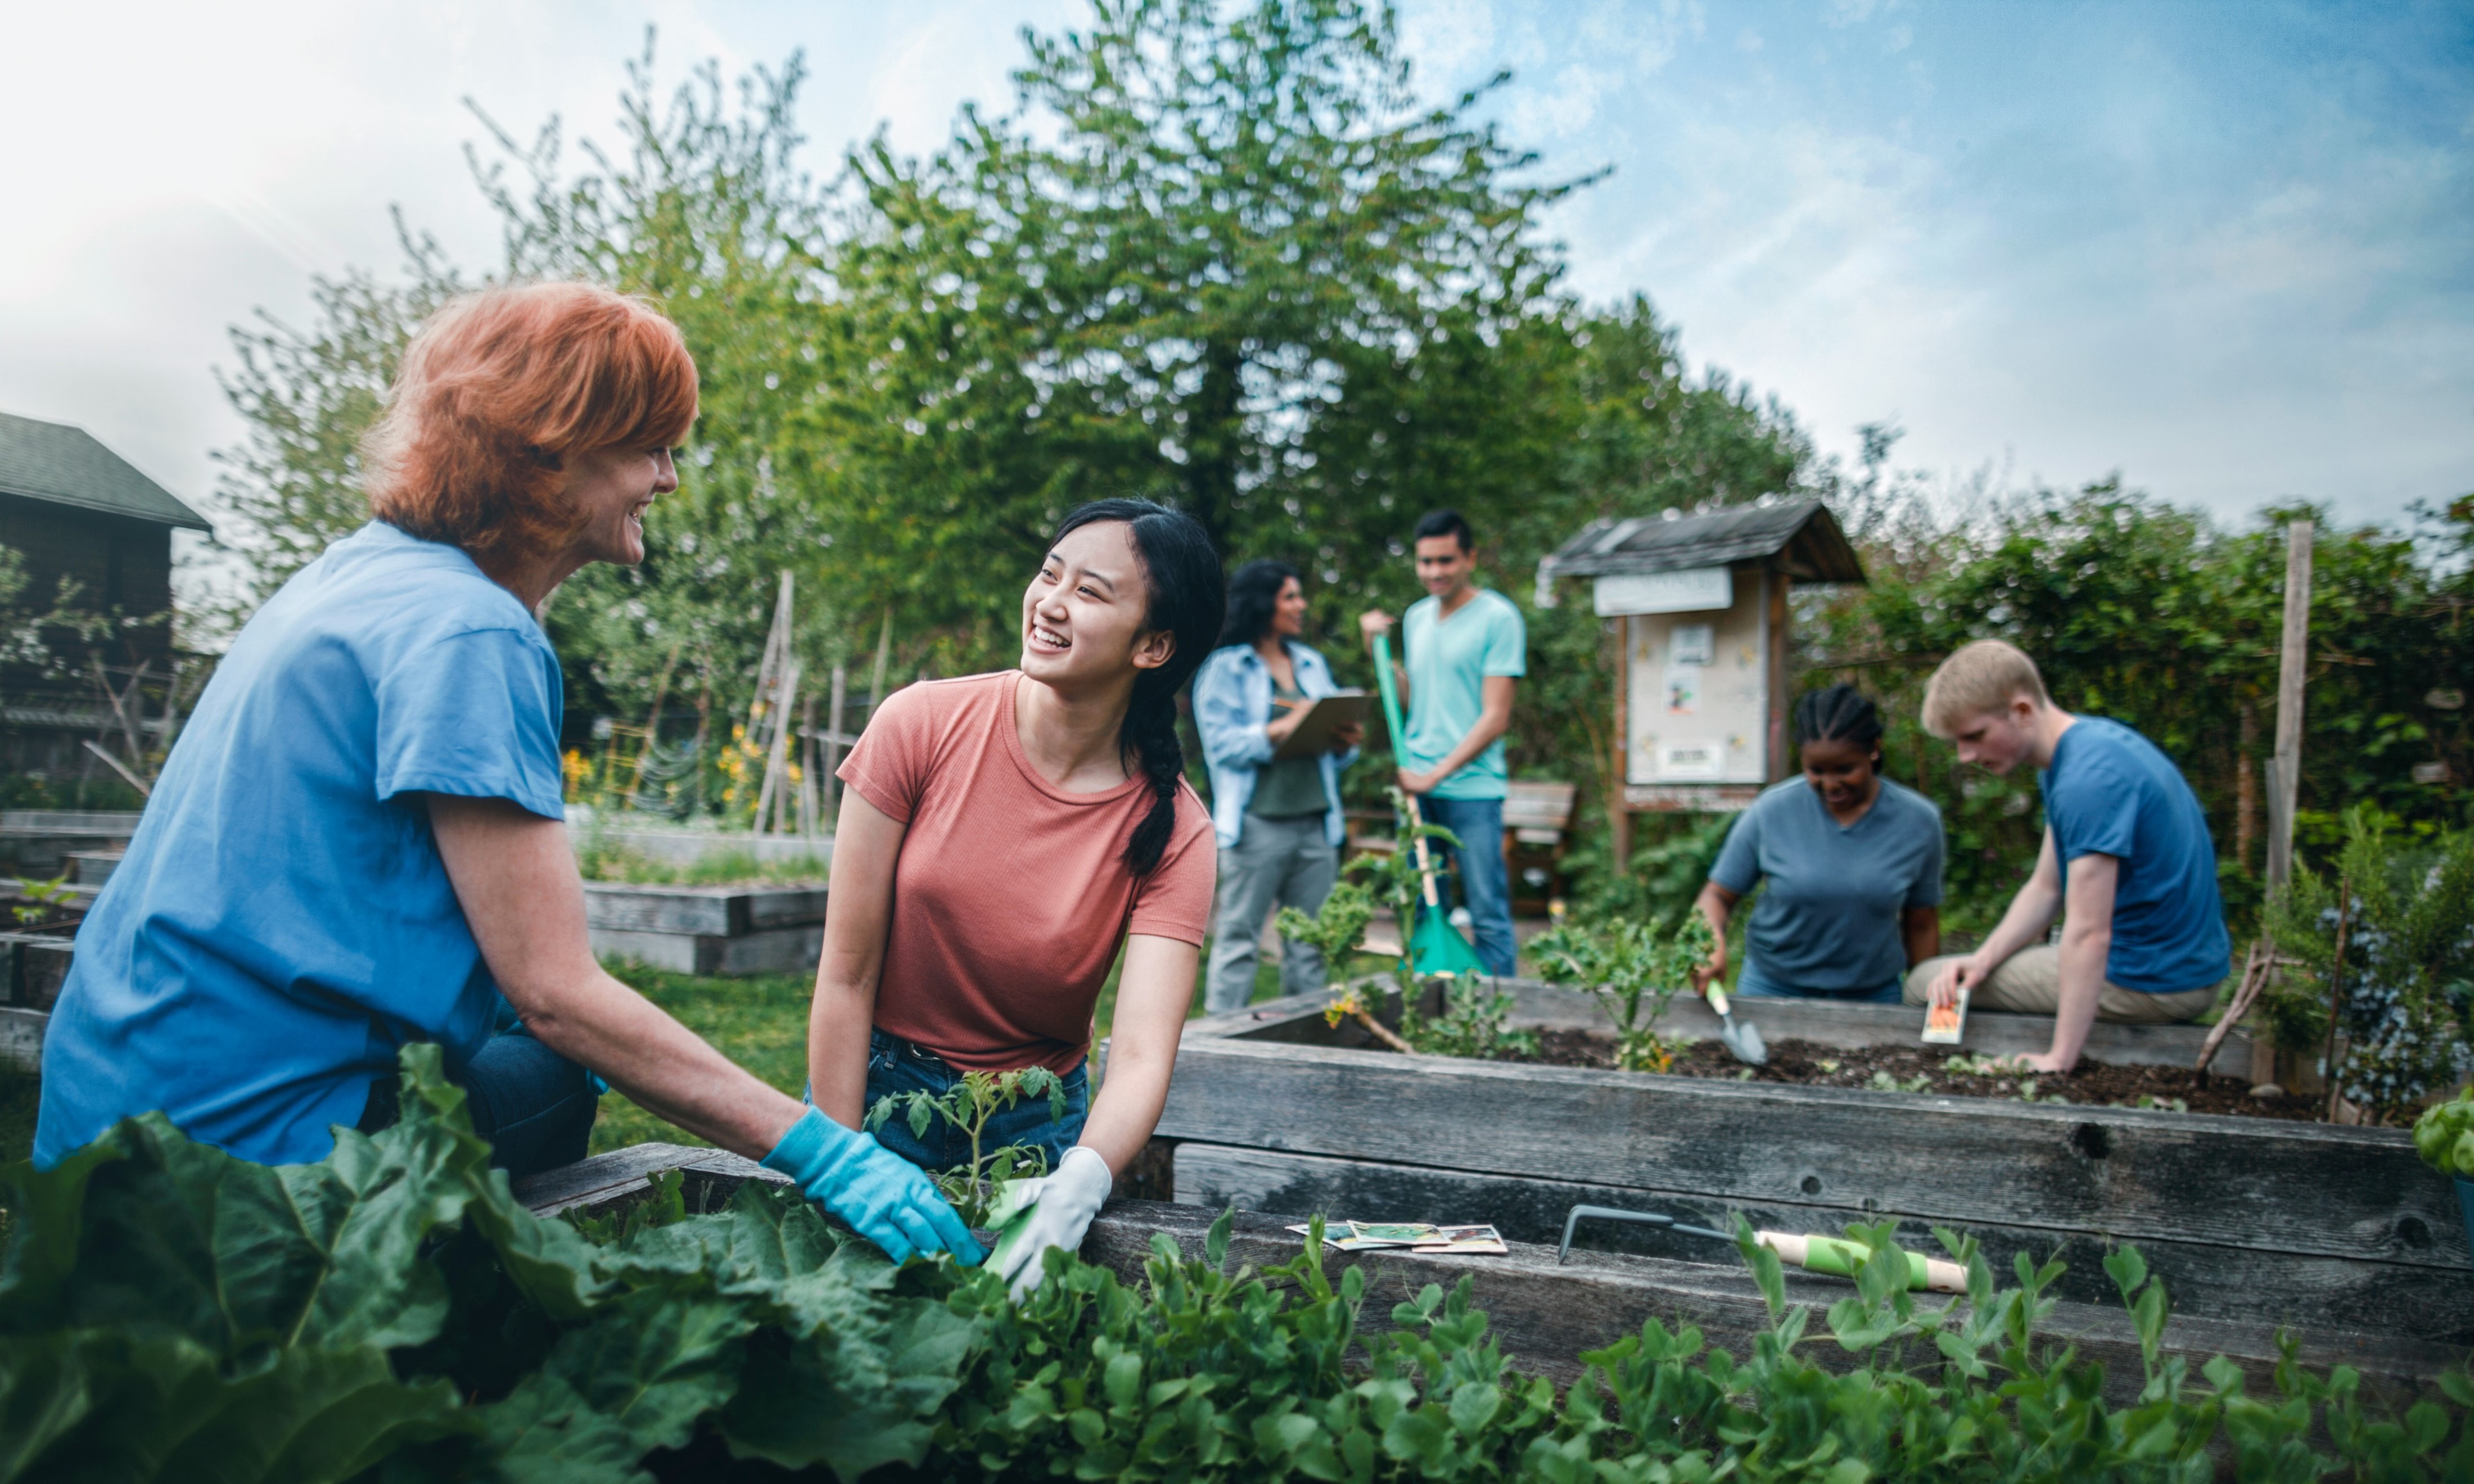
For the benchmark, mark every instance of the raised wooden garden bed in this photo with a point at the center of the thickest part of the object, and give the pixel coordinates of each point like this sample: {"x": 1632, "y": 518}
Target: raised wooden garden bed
{"x": 2335, "y": 1230}
{"x": 1542, "y": 1312}
{"x": 707, "y": 929}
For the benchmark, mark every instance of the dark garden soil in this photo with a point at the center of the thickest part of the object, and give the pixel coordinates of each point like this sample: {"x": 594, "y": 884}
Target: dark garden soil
{"x": 1931, "y": 1069}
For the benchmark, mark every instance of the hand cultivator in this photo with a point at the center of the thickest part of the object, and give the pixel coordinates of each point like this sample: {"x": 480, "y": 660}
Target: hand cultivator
{"x": 1814, "y": 1254}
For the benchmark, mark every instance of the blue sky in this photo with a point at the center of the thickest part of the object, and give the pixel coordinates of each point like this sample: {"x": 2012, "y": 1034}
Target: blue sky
{"x": 2224, "y": 249}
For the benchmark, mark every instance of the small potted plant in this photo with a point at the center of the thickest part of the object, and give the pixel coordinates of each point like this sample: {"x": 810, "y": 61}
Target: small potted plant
{"x": 2444, "y": 1136}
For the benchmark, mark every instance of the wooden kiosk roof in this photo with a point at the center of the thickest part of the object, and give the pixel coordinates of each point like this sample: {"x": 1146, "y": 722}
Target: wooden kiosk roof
{"x": 1802, "y": 533}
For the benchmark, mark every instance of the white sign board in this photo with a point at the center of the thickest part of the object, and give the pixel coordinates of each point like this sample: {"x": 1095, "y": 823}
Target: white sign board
{"x": 1697, "y": 688}
{"x": 1693, "y": 590}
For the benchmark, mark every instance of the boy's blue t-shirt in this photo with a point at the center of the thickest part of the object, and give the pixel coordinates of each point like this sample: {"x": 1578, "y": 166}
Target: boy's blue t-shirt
{"x": 2111, "y": 792}
{"x": 1830, "y": 921}
{"x": 283, "y": 922}
{"x": 1449, "y": 661}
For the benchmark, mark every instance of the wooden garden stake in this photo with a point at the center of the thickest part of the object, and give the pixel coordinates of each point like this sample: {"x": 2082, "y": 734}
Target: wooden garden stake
{"x": 652, "y": 724}
{"x": 2285, "y": 782}
{"x": 2337, "y": 988}
{"x": 2255, "y": 972}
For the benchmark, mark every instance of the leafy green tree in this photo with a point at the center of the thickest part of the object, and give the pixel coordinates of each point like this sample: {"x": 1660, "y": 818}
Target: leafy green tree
{"x": 1208, "y": 256}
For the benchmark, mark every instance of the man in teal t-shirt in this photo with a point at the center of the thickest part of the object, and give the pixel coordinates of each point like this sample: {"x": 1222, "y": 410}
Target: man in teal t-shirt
{"x": 1466, "y": 646}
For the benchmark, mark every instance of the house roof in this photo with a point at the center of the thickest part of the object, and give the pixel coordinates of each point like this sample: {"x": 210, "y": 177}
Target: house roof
{"x": 61, "y": 465}
{"x": 1803, "y": 533}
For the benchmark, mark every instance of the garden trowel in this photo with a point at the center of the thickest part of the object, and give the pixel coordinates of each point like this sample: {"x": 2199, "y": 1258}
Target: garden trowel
{"x": 1435, "y": 947}
{"x": 1742, "y": 1042}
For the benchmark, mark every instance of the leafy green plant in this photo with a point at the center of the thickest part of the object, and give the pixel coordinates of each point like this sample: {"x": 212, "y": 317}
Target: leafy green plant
{"x": 2444, "y": 1136}
{"x": 43, "y": 900}
{"x": 168, "y": 1313}
{"x": 968, "y": 1106}
{"x": 1633, "y": 969}
{"x": 1338, "y": 928}
{"x": 2388, "y": 949}
{"x": 1475, "y": 1020}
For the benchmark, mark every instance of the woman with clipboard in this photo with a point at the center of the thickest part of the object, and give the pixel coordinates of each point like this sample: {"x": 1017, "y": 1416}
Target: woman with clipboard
{"x": 1277, "y": 816}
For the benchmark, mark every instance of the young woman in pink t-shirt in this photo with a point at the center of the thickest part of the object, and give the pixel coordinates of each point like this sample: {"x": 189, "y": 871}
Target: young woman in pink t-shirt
{"x": 1002, "y": 837}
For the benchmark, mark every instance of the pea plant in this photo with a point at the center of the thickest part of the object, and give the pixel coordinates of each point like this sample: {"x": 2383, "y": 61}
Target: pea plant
{"x": 970, "y": 1105}
{"x": 1633, "y": 969}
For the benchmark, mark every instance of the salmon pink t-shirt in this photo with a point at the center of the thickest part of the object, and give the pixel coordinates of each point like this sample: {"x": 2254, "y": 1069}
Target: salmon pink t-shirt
{"x": 1009, "y": 897}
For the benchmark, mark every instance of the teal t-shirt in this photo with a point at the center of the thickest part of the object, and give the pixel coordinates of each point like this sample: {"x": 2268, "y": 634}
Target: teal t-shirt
{"x": 1449, "y": 661}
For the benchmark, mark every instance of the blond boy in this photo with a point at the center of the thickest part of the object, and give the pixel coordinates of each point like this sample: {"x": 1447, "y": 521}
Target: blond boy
{"x": 2127, "y": 865}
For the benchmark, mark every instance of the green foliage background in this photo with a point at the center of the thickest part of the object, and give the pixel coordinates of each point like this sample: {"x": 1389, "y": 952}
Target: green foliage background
{"x": 1230, "y": 257}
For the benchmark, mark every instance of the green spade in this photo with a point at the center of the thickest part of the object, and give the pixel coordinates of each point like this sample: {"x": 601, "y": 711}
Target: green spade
{"x": 1435, "y": 947}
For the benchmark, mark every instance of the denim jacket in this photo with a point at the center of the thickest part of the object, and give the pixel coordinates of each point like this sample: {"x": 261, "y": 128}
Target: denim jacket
{"x": 1232, "y": 706}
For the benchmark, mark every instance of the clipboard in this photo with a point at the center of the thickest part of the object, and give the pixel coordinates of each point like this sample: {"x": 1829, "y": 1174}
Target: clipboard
{"x": 1313, "y": 735}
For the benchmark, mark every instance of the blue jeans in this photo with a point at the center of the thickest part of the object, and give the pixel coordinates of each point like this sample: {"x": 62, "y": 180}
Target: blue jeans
{"x": 534, "y": 1106}
{"x": 1752, "y": 984}
{"x": 895, "y": 1067}
{"x": 1486, "y": 885}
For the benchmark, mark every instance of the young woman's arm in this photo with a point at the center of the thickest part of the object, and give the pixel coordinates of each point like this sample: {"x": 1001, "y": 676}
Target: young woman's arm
{"x": 1153, "y": 995}
{"x": 858, "y": 910}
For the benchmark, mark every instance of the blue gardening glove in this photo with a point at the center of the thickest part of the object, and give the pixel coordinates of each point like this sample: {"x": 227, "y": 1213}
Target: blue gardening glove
{"x": 884, "y": 1196}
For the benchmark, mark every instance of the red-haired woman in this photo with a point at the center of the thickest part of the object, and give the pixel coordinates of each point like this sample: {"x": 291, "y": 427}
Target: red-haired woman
{"x": 357, "y": 842}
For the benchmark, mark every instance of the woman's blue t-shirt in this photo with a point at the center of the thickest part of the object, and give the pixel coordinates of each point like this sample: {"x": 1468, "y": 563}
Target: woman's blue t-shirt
{"x": 283, "y": 922}
{"x": 1830, "y": 921}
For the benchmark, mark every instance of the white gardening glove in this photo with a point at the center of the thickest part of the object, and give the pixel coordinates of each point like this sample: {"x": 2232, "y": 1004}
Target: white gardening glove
{"x": 1066, "y": 1202}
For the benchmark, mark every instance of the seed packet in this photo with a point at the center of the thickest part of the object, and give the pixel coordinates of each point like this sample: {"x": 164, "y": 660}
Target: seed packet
{"x": 1946, "y": 1025}
{"x": 1410, "y": 1236}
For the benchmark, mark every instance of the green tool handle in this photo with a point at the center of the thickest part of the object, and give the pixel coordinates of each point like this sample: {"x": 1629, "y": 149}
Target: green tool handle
{"x": 1390, "y": 692}
{"x": 1842, "y": 1259}
{"x": 1391, "y": 721}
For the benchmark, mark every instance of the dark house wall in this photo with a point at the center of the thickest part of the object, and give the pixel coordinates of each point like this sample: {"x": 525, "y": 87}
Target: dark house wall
{"x": 120, "y": 563}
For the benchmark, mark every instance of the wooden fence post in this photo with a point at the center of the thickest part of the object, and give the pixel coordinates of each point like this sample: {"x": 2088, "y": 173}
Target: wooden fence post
{"x": 2292, "y": 667}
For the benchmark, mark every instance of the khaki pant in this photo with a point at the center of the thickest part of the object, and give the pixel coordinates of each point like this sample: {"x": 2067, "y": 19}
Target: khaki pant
{"x": 2030, "y": 983}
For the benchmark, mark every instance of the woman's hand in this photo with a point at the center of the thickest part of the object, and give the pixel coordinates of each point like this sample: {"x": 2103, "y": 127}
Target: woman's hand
{"x": 1711, "y": 971}
{"x": 1067, "y": 1201}
{"x": 1345, "y": 735}
{"x": 1715, "y": 904}
{"x": 1285, "y": 726}
{"x": 883, "y": 1196}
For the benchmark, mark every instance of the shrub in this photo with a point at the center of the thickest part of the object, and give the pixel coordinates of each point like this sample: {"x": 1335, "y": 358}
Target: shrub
{"x": 2406, "y": 976}
{"x": 1633, "y": 970}
{"x": 168, "y": 1313}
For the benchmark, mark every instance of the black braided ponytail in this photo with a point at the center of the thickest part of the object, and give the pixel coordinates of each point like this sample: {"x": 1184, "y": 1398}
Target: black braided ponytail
{"x": 1187, "y": 598}
{"x": 1839, "y": 713}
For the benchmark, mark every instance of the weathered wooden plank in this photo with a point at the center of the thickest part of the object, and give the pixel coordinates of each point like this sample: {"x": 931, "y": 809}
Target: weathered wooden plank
{"x": 2135, "y": 1174}
{"x": 717, "y": 911}
{"x": 610, "y": 1177}
{"x": 776, "y": 950}
{"x": 1298, "y": 1018}
{"x": 21, "y": 1040}
{"x": 1545, "y": 1315}
{"x": 2310, "y": 1292}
